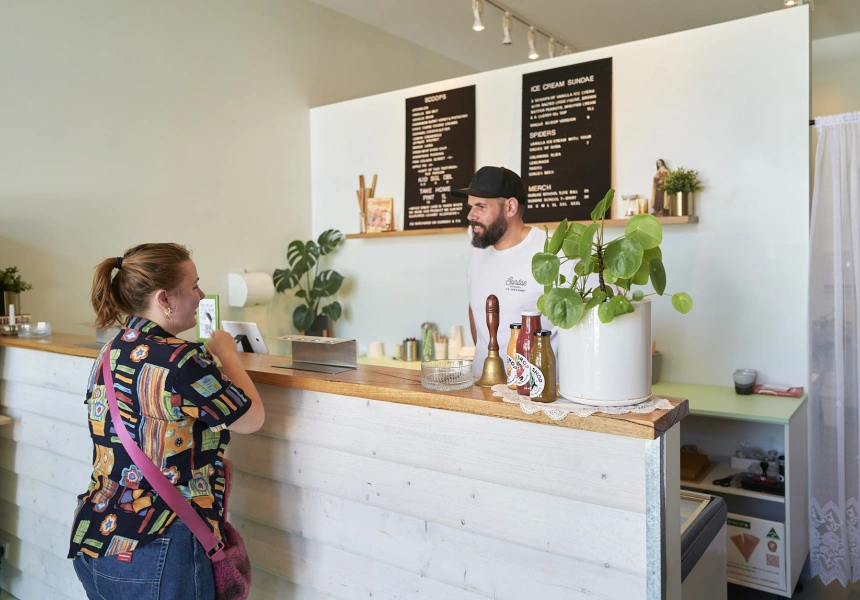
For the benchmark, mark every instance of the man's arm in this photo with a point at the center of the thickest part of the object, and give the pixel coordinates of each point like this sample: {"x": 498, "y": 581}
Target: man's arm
{"x": 472, "y": 327}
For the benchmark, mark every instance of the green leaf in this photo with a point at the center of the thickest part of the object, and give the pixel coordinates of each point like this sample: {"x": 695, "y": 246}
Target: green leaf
{"x": 540, "y": 303}
{"x": 562, "y": 279}
{"x": 303, "y": 317}
{"x": 545, "y": 267}
{"x": 546, "y": 239}
{"x": 645, "y": 229}
{"x": 599, "y": 211}
{"x": 682, "y": 302}
{"x": 658, "y": 275}
{"x": 332, "y": 311}
{"x": 623, "y": 256}
{"x": 326, "y": 283}
{"x": 570, "y": 246}
{"x": 623, "y": 283}
{"x": 641, "y": 276}
{"x": 596, "y": 298}
{"x": 620, "y": 305}
{"x": 609, "y": 292}
{"x": 638, "y": 295}
{"x": 609, "y": 277}
{"x": 582, "y": 268}
{"x": 557, "y": 237}
{"x": 605, "y": 312}
{"x": 301, "y": 257}
{"x": 586, "y": 240}
{"x": 285, "y": 279}
{"x": 301, "y": 294}
{"x": 564, "y": 307}
{"x": 652, "y": 253}
{"x": 329, "y": 240}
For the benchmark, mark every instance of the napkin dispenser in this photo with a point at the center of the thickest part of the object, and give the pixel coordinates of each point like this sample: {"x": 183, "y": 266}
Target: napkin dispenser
{"x": 321, "y": 354}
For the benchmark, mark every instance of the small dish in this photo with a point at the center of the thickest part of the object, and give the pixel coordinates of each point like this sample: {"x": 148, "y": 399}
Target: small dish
{"x": 446, "y": 375}
{"x": 34, "y": 330}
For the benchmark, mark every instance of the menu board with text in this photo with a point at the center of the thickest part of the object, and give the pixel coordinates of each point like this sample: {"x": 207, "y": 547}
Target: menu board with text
{"x": 567, "y": 140}
{"x": 440, "y": 156}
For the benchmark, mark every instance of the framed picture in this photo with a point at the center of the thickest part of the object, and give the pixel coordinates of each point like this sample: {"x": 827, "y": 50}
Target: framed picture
{"x": 208, "y": 319}
{"x": 379, "y": 215}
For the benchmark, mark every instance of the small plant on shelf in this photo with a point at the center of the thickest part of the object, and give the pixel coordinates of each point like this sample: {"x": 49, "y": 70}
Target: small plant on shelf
{"x": 10, "y": 281}
{"x": 303, "y": 272}
{"x": 681, "y": 180}
{"x": 632, "y": 259}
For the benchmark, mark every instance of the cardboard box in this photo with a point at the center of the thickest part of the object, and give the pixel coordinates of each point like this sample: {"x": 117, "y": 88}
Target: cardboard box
{"x": 756, "y": 552}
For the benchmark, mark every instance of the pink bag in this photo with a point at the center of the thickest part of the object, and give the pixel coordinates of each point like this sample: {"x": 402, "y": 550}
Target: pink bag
{"x": 230, "y": 563}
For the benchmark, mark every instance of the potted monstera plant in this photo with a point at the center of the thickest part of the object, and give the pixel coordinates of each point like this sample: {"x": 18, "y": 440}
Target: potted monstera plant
{"x": 604, "y": 354}
{"x": 303, "y": 272}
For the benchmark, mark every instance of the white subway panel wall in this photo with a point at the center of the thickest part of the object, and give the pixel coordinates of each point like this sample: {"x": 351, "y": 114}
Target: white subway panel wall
{"x": 729, "y": 100}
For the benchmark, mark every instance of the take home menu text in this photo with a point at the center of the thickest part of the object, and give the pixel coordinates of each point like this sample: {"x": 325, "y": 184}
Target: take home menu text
{"x": 440, "y": 156}
{"x": 567, "y": 140}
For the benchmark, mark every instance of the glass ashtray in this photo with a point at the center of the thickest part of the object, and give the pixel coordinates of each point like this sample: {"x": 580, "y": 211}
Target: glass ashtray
{"x": 446, "y": 375}
{"x": 34, "y": 330}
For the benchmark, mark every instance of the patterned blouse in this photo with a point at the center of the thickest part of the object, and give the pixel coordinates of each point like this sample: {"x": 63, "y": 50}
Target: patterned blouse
{"x": 176, "y": 405}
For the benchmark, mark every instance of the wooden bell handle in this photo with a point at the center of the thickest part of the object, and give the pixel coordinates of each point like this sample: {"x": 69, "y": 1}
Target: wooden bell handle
{"x": 493, "y": 321}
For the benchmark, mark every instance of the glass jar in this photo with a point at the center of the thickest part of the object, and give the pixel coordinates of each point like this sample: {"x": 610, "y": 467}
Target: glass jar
{"x": 530, "y": 324}
{"x": 543, "y": 388}
{"x": 511, "y": 358}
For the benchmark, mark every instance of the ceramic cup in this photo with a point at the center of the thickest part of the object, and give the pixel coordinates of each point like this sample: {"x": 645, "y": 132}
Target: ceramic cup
{"x": 744, "y": 381}
{"x": 375, "y": 350}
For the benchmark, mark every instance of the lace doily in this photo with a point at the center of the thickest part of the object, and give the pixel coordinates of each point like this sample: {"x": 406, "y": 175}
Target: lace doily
{"x": 562, "y": 407}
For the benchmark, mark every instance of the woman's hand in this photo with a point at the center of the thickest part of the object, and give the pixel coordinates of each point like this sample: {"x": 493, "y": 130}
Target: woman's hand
{"x": 222, "y": 344}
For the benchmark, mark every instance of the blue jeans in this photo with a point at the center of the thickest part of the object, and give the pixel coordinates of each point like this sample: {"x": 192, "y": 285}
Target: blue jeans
{"x": 172, "y": 567}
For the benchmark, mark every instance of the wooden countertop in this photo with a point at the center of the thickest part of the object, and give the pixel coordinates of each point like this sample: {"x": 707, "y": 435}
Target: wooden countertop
{"x": 402, "y": 386}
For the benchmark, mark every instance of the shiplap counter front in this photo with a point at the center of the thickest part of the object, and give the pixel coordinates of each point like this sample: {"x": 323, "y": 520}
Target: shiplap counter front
{"x": 366, "y": 485}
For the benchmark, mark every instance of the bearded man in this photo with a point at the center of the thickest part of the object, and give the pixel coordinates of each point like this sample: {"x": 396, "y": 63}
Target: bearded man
{"x": 502, "y": 261}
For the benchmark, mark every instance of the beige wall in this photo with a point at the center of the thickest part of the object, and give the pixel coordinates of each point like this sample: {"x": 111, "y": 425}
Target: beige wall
{"x": 836, "y": 75}
{"x": 124, "y": 122}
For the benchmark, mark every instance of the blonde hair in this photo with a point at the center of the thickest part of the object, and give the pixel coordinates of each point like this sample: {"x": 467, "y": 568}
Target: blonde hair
{"x": 141, "y": 271}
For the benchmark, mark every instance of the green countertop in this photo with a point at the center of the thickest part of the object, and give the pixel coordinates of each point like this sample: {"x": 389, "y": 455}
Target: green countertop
{"x": 708, "y": 400}
{"x": 717, "y": 401}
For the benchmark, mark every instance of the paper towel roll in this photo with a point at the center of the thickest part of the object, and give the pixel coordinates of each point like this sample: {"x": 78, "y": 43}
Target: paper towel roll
{"x": 249, "y": 289}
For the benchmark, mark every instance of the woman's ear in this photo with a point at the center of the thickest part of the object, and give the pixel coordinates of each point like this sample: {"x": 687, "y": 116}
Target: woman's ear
{"x": 161, "y": 299}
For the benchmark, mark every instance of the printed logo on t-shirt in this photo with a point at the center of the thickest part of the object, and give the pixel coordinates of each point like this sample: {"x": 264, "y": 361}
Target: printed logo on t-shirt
{"x": 516, "y": 285}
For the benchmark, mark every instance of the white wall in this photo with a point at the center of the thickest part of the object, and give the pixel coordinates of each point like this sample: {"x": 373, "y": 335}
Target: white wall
{"x": 730, "y": 100}
{"x": 124, "y": 122}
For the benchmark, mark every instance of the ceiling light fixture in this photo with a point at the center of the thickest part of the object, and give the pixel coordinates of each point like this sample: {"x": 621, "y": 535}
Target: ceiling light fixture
{"x": 789, "y": 2}
{"x": 533, "y": 53}
{"x": 478, "y": 10}
{"x": 507, "y": 22}
{"x": 550, "y": 47}
{"x": 508, "y": 18}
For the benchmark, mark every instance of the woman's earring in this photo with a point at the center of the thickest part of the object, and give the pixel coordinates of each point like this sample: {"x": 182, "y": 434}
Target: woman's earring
{"x": 167, "y": 312}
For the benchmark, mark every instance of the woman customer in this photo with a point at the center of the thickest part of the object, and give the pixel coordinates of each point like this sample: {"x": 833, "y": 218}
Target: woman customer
{"x": 179, "y": 408}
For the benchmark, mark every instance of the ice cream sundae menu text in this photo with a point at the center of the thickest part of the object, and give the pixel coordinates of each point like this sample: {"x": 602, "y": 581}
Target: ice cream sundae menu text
{"x": 567, "y": 140}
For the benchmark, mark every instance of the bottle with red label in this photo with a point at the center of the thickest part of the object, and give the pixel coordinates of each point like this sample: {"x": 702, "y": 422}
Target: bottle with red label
{"x": 530, "y": 324}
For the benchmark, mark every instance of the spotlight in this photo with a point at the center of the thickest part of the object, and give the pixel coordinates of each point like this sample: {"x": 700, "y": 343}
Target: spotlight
{"x": 533, "y": 53}
{"x": 478, "y": 10}
{"x": 790, "y": 2}
{"x": 507, "y": 21}
{"x": 550, "y": 48}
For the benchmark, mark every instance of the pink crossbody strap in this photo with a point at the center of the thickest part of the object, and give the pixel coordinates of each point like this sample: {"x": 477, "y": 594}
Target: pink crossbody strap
{"x": 174, "y": 498}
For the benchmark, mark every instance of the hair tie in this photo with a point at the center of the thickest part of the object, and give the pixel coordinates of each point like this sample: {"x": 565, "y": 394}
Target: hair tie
{"x": 119, "y": 262}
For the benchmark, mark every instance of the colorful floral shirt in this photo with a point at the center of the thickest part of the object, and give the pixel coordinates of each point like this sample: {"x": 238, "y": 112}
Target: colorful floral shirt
{"x": 176, "y": 405}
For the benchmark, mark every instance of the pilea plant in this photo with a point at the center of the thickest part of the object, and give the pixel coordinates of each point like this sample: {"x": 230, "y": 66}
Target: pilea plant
{"x": 632, "y": 259}
{"x": 303, "y": 272}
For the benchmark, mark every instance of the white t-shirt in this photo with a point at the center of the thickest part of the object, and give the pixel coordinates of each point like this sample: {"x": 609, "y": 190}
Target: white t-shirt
{"x": 508, "y": 275}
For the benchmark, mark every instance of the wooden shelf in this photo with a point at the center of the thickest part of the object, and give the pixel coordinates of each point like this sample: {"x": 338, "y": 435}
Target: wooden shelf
{"x": 462, "y": 230}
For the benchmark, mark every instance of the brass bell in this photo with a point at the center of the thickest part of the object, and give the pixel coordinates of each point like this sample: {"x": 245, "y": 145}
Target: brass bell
{"x": 494, "y": 368}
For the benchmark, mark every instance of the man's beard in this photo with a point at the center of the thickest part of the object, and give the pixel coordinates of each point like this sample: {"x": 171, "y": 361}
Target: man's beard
{"x": 492, "y": 234}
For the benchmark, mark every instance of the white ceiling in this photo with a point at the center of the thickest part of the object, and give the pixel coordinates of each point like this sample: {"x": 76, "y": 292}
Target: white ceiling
{"x": 445, "y": 26}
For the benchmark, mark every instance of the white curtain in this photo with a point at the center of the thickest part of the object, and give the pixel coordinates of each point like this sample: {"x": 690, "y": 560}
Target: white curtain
{"x": 834, "y": 393}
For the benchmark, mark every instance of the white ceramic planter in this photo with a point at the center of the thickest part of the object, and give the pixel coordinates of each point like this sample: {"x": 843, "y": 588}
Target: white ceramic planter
{"x": 607, "y": 364}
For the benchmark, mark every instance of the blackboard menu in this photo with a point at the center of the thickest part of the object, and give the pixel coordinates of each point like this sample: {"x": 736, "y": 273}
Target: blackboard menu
{"x": 440, "y": 156}
{"x": 567, "y": 140}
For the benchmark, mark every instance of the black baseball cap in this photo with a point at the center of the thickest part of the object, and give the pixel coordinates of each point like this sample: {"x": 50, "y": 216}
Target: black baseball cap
{"x": 494, "y": 182}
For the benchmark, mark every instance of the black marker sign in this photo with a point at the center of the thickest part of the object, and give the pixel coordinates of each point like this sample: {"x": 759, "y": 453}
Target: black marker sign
{"x": 567, "y": 140}
{"x": 440, "y": 156}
